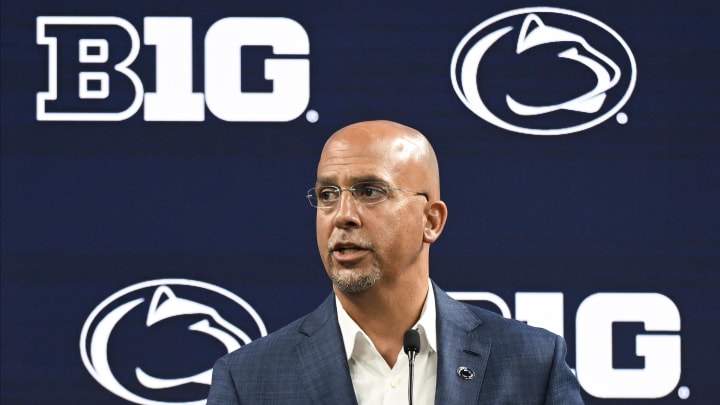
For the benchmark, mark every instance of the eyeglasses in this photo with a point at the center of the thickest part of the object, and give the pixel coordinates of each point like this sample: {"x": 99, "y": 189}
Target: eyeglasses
{"x": 367, "y": 193}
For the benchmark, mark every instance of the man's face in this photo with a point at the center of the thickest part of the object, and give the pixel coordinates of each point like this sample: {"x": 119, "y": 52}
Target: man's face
{"x": 363, "y": 245}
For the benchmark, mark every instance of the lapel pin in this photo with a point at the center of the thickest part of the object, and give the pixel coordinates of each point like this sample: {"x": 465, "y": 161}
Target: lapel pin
{"x": 465, "y": 373}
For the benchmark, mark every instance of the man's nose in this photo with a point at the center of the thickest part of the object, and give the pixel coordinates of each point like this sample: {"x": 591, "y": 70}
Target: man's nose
{"x": 346, "y": 213}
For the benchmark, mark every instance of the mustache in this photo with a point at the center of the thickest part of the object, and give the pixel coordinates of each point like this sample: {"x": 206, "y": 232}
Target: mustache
{"x": 344, "y": 240}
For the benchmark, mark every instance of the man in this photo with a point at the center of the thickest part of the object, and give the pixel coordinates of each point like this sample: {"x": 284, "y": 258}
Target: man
{"x": 378, "y": 203}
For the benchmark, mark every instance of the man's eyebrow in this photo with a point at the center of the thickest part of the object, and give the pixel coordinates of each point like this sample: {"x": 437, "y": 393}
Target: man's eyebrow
{"x": 324, "y": 181}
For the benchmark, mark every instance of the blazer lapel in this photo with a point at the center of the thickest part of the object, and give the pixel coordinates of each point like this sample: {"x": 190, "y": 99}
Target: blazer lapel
{"x": 462, "y": 352}
{"x": 320, "y": 357}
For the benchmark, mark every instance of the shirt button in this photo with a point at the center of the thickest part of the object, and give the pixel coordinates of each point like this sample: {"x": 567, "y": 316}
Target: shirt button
{"x": 394, "y": 383}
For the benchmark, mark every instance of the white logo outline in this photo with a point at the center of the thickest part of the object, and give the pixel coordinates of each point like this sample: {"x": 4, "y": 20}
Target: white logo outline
{"x": 96, "y": 361}
{"x": 468, "y": 92}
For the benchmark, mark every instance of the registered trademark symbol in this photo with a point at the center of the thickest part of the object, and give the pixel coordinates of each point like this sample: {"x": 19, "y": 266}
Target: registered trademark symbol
{"x": 684, "y": 392}
{"x": 621, "y": 118}
{"x": 312, "y": 116}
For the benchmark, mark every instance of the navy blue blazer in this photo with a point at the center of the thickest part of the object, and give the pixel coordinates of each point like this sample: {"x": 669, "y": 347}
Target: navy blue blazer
{"x": 305, "y": 362}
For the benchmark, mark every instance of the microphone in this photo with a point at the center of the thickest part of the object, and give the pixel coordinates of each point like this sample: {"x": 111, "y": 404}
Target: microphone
{"x": 411, "y": 345}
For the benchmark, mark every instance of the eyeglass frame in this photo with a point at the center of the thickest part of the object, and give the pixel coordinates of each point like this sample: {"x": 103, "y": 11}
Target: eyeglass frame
{"x": 312, "y": 194}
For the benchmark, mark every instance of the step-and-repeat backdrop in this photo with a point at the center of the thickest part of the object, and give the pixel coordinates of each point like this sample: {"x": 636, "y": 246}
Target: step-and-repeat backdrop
{"x": 155, "y": 157}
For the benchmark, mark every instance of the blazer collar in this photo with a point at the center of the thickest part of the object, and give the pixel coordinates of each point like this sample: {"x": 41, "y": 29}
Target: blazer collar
{"x": 462, "y": 352}
{"x": 321, "y": 360}
{"x": 320, "y": 357}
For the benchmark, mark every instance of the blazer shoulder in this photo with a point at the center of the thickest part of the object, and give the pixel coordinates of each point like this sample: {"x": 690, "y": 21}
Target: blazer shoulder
{"x": 507, "y": 334}
{"x": 512, "y": 330}
{"x": 470, "y": 317}
{"x": 280, "y": 343}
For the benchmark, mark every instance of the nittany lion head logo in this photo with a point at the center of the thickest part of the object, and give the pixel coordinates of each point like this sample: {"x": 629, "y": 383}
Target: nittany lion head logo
{"x": 543, "y": 71}
{"x": 155, "y": 342}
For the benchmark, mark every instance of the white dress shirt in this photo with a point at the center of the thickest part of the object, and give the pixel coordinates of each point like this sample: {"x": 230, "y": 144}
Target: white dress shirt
{"x": 373, "y": 380}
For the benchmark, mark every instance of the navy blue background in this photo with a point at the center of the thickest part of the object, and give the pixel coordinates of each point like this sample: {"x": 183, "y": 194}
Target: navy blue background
{"x": 91, "y": 208}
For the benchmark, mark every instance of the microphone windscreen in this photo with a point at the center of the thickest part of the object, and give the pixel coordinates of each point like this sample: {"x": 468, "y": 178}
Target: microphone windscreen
{"x": 411, "y": 341}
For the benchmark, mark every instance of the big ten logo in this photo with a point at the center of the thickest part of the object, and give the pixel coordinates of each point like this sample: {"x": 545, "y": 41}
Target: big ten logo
{"x": 596, "y": 318}
{"x": 91, "y": 76}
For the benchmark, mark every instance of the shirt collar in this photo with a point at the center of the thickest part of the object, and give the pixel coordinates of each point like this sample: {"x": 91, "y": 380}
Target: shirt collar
{"x": 351, "y": 332}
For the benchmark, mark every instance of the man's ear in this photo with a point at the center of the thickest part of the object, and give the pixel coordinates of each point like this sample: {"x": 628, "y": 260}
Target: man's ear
{"x": 435, "y": 216}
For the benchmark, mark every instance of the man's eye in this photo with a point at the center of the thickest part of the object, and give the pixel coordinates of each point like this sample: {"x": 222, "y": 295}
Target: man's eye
{"x": 327, "y": 194}
{"x": 370, "y": 191}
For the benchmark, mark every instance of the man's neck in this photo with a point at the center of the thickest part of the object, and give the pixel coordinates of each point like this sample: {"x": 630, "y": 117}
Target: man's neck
{"x": 385, "y": 313}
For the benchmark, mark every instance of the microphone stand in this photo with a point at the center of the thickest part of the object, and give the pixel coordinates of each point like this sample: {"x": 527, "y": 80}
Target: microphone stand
{"x": 411, "y": 344}
{"x": 411, "y": 358}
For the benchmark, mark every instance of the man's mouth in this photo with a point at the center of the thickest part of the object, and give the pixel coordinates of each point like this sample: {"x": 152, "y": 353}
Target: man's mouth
{"x": 347, "y": 249}
{"x": 348, "y": 253}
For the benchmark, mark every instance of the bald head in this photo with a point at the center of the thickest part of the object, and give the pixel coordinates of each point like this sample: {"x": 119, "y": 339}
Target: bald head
{"x": 402, "y": 152}
{"x": 375, "y": 247}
